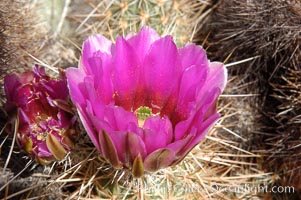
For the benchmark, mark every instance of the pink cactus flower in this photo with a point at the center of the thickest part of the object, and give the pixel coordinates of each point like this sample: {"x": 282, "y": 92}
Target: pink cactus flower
{"x": 144, "y": 102}
{"x": 41, "y": 109}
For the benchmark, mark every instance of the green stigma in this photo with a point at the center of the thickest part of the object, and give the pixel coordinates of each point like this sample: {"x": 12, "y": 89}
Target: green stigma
{"x": 142, "y": 114}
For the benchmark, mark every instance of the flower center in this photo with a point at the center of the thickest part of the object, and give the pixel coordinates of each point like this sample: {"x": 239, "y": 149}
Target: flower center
{"x": 44, "y": 125}
{"x": 142, "y": 114}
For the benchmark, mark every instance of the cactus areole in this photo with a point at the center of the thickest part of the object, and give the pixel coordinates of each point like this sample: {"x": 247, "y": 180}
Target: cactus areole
{"x": 144, "y": 102}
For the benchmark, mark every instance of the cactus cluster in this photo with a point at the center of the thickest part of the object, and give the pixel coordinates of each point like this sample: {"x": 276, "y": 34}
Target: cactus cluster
{"x": 287, "y": 116}
{"x": 112, "y": 18}
{"x": 21, "y": 35}
{"x": 270, "y": 32}
{"x": 270, "y": 29}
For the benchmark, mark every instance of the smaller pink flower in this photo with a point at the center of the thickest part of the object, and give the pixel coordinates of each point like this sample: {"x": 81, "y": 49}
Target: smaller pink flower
{"x": 144, "y": 102}
{"x": 40, "y": 105}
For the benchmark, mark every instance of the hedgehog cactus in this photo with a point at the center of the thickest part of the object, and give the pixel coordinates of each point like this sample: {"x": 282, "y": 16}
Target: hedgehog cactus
{"x": 177, "y": 18}
{"x": 42, "y": 113}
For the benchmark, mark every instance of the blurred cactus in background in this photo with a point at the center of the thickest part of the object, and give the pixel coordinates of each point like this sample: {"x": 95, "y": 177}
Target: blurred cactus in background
{"x": 269, "y": 33}
{"x": 178, "y": 18}
{"x": 18, "y": 37}
{"x": 285, "y": 143}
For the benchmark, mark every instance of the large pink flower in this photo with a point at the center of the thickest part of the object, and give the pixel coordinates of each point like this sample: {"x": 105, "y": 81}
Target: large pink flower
{"x": 39, "y": 104}
{"x": 144, "y": 102}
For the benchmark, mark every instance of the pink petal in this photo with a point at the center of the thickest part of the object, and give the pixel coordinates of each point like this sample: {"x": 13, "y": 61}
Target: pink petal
{"x": 135, "y": 147}
{"x": 157, "y": 133}
{"x": 218, "y": 74}
{"x": 209, "y": 99}
{"x": 24, "y": 119}
{"x": 127, "y": 70}
{"x": 43, "y": 150}
{"x": 101, "y": 74}
{"x": 17, "y": 89}
{"x": 96, "y": 43}
{"x": 141, "y": 44}
{"x": 39, "y": 73}
{"x": 88, "y": 126}
{"x": 161, "y": 72}
{"x": 55, "y": 89}
{"x": 119, "y": 139}
{"x": 216, "y": 78}
{"x": 103, "y": 78}
{"x": 193, "y": 55}
{"x": 116, "y": 122}
{"x": 211, "y": 110}
{"x": 193, "y": 139}
{"x": 92, "y": 95}
{"x": 178, "y": 145}
{"x": 203, "y": 129}
{"x": 192, "y": 78}
{"x": 96, "y": 59}
{"x": 182, "y": 128}
{"x": 75, "y": 79}
{"x": 142, "y": 41}
{"x": 197, "y": 114}
{"x": 116, "y": 117}
{"x": 119, "y": 119}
